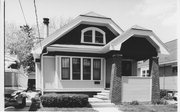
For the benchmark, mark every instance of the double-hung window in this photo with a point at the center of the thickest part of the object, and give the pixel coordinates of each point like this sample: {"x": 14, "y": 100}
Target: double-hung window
{"x": 65, "y": 68}
{"x": 86, "y": 69}
{"x": 76, "y": 68}
{"x": 96, "y": 69}
{"x": 93, "y": 35}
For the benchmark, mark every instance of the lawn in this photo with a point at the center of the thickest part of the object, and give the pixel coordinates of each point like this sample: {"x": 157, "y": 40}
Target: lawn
{"x": 83, "y": 109}
{"x": 147, "y": 108}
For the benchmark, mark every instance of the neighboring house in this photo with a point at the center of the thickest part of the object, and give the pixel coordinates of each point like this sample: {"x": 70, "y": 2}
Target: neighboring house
{"x": 81, "y": 56}
{"x": 168, "y": 67}
{"x": 31, "y": 81}
{"x": 14, "y": 79}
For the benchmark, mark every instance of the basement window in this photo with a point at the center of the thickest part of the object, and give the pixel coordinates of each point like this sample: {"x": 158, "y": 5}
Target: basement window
{"x": 93, "y": 35}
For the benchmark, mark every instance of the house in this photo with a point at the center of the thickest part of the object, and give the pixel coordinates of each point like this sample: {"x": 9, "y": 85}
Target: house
{"x": 168, "y": 67}
{"x": 92, "y": 53}
{"x": 14, "y": 79}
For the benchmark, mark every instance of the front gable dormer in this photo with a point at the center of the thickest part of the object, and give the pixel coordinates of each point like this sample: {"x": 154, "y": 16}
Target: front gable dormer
{"x": 93, "y": 35}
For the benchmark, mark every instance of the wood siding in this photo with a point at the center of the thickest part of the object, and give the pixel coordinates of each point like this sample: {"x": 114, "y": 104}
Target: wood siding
{"x": 52, "y": 80}
{"x": 136, "y": 88}
{"x": 38, "y": 75}
{"x": 168, "y": 83}
{"x": 74, "y": 36}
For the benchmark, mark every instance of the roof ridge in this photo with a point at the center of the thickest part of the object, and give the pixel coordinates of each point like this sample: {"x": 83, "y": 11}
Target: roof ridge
{"x": 170, "y": 41}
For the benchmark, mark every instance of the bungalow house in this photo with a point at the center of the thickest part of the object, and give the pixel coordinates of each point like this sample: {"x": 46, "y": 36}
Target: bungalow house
{"x": 167, "y": 67}
{"x": 14, "y": 79}
{"x": 92, "y": 53}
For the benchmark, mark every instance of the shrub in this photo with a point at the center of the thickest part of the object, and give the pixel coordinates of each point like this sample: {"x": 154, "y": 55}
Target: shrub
{"x": 64, "y": 100}
{"x": 160, "y": 102}
{"x": 168, "y": 97}
{"x": 35, "y": 104}
{"x": 163, "y": 93}
{"x": 134, "y": 103}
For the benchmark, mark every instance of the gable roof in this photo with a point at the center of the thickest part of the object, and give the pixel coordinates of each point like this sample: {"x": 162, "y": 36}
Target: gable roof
{"x": 93, "y": 14}
{"x": 114, "y": 44}
{"x": 172, "y": 48}
{"x": 88, "y": 18}
{"x": 139, "y": 27}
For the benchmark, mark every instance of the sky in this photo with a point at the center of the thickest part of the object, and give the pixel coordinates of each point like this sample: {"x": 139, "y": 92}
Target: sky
{"x": 157, "y": 15}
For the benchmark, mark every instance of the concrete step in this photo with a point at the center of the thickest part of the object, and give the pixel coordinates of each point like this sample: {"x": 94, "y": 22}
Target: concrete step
{"x": 105, "y": 91}
{"x": 97, "y": 100}
{"x": 101, "y": 97}
{"x": 103, "y": 105}
{"x": 103, "y": 94}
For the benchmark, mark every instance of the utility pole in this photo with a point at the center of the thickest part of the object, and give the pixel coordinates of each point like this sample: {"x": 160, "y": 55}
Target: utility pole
{"x": 2, "y": 37}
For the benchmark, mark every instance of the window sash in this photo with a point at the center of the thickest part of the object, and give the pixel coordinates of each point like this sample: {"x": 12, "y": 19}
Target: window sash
{"x": 86, "y": 69}
{"x": 96, "y": 69}
{"x": 65, "y": 68}
{"x": 97, "y": 37}
{"x": 76, "y": 68}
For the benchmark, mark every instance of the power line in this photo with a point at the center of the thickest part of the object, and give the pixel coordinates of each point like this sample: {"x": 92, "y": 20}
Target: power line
{"x": 37, "y": 22}
{"x": 22, "y": 12}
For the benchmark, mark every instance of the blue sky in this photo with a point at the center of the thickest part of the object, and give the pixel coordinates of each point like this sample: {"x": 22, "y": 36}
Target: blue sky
{"x": 157, "y": 15}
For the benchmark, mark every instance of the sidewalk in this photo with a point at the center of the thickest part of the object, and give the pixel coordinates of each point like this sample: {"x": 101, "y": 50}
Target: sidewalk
{"x": 103, "y": 105}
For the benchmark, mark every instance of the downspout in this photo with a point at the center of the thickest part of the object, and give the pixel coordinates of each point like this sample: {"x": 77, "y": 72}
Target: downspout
{"x": 42, "y": 71}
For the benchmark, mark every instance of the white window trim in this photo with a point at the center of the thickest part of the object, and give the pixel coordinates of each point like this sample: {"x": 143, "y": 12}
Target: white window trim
{"x": 93, "y": 29}
{"x": 81, "y": 72}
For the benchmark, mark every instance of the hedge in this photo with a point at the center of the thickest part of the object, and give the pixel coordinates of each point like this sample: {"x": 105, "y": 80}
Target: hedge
{"x": 64, "y": 100}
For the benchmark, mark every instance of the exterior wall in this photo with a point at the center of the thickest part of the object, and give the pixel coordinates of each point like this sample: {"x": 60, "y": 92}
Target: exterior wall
{"x": 168, "y": 83}
{"x": 38, "y": 75}
{"x": 168, "y": 78}
{"x": 14, "y": 81}
{"x": 136, "y": 88}
{"x": 49, "y": 79}
{"x": 10, "y": 79}
{"x": 52, "y": 81}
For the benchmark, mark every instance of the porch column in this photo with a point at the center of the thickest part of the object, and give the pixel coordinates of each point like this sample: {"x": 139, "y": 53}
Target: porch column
{"x": 154, "y": 72}
{"x": 115, "y": 89}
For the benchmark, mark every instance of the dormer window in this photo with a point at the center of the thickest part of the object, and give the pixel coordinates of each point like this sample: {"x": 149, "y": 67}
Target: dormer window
{"x": 93, "y": 35}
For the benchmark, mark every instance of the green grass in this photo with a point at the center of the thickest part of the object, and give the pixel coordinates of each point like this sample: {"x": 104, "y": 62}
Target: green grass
{"x": 147, "y": 108}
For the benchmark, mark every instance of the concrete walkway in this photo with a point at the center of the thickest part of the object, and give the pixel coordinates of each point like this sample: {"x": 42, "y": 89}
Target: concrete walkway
{"x": 103, "y": 105}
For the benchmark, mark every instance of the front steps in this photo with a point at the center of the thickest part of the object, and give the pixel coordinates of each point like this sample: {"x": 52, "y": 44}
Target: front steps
{"x": 101, "y": 100}
{"x": 104, "y": 95}
{"x": 102, "y": 103}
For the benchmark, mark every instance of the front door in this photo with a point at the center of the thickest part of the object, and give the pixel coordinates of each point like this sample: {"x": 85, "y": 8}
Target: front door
{"x": 126, "y": 68}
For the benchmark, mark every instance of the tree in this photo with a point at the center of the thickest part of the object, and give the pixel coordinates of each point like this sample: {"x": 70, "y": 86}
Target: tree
{"x": 20, "y": 42}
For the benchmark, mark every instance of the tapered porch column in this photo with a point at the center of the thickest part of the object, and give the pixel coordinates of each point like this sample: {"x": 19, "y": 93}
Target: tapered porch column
{"x": 116, "y": 70}
{"x": 154, "y": 72}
